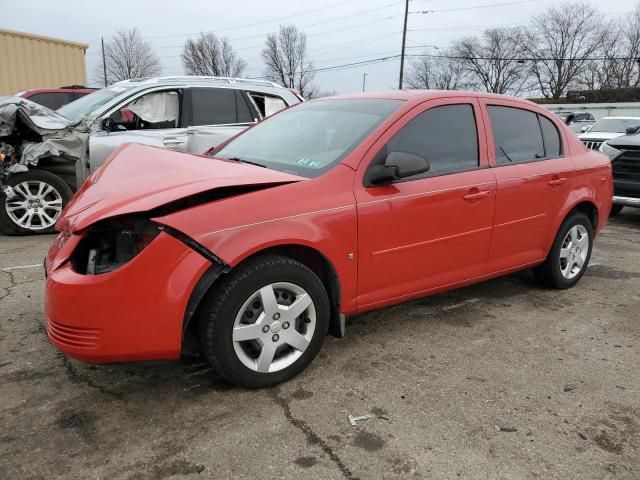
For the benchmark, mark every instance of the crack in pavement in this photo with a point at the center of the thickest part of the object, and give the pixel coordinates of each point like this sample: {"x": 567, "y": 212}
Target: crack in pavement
{"x": 312, "y": 437}
{"x": 77, "y": 378}
{"x": 13, "y": 283}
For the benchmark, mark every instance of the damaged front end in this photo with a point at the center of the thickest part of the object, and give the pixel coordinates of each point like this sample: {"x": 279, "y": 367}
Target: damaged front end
{"x": 29, "y": 133}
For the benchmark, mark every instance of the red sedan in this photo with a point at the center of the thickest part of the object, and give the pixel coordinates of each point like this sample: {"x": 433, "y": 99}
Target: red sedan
{"x": 327, "y": 209}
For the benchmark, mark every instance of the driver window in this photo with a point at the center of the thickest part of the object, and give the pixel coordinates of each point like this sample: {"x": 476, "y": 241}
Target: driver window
{"x": 152, "y": 111}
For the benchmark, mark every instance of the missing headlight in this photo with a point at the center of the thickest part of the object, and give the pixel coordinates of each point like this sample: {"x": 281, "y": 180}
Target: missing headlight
{"x": 112, "y": 243}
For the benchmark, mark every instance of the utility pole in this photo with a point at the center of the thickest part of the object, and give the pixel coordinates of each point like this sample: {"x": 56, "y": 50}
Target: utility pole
{"x": 364, "y": 80}
{"x": 404, "y": 39}
{"x": 104, "y": 63}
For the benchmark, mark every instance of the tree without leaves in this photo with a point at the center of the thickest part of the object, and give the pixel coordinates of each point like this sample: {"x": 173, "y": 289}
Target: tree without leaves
{"x": 492, "y": 61}
{"x": 208, "y": 55}
{"x": 285, "y": 58}
{"x": 127, "y": 56}
{"x": 560, "y": 41}
{"x": 439, "y": 73}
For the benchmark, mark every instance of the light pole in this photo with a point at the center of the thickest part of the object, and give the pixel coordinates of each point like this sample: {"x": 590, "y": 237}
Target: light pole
{"x": 404, "y": 40}
{"x": 364, "y": 80}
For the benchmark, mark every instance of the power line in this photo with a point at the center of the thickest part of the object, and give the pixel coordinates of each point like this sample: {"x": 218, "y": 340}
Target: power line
{"x": 489, "y": 5}
{"x": 261, "y": 22}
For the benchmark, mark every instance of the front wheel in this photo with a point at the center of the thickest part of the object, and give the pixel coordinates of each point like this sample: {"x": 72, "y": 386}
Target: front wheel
{"x": 39, "y": 199}
{"x": 569, "y": 255}
{"x": 265, "y": 323}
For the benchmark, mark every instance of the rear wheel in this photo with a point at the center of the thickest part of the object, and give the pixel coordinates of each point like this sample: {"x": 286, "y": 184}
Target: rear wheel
{"x": 265, "y": 323}
{"x": 39, "y": 199}
{"x": 615, "y": 210}
{"x": 569, "y": 255}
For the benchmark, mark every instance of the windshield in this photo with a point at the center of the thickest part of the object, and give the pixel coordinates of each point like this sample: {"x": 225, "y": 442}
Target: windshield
{"x": 577, "y": 127}
{"x": 77, "y": 110}
{"x": 614, "y": 125}
{"x": 312, "y": 137}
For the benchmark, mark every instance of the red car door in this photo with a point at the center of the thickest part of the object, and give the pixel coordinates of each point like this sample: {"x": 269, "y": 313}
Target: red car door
{"x": 434, "y": 229}
{"x": 533, "y": 181}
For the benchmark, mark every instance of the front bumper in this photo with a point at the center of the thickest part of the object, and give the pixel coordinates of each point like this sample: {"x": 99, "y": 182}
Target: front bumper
{"x": 133, "y": 313}
{"x": 626, "y": 201}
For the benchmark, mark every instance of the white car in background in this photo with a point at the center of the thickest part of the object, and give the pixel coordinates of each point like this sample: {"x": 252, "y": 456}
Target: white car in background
{"x": 607, "y": 128}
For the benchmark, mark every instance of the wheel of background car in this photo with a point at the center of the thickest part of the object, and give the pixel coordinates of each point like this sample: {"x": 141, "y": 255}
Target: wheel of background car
{"x": 265, "y": 323}
{"x": 39, "y": 199}
{"x": 569, "y": 255}
{"x": 615, "y": 210}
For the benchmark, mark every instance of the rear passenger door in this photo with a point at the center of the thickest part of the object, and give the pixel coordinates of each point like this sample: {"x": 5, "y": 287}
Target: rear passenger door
{"x": 215, "y": 114}
{"x": 533, "y": 181}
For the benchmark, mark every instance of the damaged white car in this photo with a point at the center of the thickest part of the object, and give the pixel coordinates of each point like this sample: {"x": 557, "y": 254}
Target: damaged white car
{"x": 46, "y": 155}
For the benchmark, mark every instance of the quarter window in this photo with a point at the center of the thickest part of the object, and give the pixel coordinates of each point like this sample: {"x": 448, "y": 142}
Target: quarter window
{"x": 446, "y": 136}
{"x": 552, "y": 146}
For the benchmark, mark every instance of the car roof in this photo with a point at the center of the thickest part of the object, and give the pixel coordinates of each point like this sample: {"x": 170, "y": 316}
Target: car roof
{"x": 255, "y": 85}
{"x": 418, "y": 96}
{"x": 620, "y": 118}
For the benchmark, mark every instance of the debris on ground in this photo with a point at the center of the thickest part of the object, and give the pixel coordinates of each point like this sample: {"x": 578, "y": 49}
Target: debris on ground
{"x": 506, "y": 429}
{"x": 354, "y": 420}
{"x": 569, "y": 387}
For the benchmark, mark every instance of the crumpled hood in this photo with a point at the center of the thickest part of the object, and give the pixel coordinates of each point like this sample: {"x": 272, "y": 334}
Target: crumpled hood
{"x": 37, "y": 117}
{"x": 138, "y": 178}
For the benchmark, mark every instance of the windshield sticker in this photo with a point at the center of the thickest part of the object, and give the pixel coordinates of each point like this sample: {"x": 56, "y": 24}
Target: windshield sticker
{"x": 307, "y": 162}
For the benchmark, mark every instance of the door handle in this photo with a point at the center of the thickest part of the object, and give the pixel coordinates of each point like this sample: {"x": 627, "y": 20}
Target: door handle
{"x": 556, "y": 181}
{"x": 172, "y": 141}
{"x": 476, "y": 195}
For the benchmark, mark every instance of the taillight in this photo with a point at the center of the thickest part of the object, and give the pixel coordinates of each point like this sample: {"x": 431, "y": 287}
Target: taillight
{"x": 112, "y": 243}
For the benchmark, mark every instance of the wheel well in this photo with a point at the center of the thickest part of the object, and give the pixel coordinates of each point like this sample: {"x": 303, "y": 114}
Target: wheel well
{"x": 320, "y": 265}
{"x": 590, "y": 210}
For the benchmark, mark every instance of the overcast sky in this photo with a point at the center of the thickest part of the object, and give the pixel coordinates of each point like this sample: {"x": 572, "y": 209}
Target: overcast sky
{"x": 339, "y": 31}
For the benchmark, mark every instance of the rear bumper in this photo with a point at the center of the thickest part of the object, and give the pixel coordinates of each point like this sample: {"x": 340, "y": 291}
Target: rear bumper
{"x": 626, "y": 201}
{"x": 133, "y": 313}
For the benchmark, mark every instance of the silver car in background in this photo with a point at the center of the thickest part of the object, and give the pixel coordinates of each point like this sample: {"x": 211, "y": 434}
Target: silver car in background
{"x": 46, "y": 155}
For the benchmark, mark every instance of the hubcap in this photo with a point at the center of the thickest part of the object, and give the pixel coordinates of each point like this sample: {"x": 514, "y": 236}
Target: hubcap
{"x": 36, "y": 206}
{"x": 268, "y": 350}
{"x": 574, "y": 251}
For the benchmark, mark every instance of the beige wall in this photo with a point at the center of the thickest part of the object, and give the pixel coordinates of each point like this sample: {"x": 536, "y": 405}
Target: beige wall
{"x": 33, "y": 61}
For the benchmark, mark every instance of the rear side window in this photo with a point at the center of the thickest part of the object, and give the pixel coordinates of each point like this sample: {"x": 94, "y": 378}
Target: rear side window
{"x": 52, "y": 100}
{"x": 552, "y": 146}
{"x": 218, "y": 106}
{"x": 446, "y": 136}
{"x": 523, "y": 136}
{"x": 516, "y": 134}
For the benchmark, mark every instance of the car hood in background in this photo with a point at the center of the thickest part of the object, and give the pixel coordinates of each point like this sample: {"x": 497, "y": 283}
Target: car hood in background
{"x": 598, "y": 135}
{"x": 628, "y": 141}
{"x": 139, "y": 178}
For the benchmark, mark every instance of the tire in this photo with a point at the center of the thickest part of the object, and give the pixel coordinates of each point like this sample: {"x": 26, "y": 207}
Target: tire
{"x": 238, "y": 333}
{"x": 567, "y": 252}
{"x": 55, "y": 195}
{"x": 615, "y": 210}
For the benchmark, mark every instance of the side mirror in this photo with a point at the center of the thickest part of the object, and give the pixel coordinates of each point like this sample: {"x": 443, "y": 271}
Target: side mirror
{"x": 396, "y": 166}
{"x": 632, "y": 130}
{"x": 108, "y": 125}
{"x": 585, "y": 129}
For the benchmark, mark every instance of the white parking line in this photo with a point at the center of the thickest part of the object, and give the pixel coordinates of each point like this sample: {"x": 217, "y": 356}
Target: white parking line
{"x": 21, "y": 267}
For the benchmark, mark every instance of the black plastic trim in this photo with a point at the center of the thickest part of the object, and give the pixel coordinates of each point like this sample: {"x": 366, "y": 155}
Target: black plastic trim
{"x": 191, "y": 243}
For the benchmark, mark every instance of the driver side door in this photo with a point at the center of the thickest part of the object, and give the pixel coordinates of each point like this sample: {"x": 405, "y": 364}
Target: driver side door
{"x": 151, "y": 118}
{"x": 426, "y": 232}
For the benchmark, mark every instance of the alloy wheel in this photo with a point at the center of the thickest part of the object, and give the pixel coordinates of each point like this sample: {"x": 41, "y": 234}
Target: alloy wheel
{"x": 274, "y": 327}
{"x": 574, "y": 251}
{"x": 37, "y": 205}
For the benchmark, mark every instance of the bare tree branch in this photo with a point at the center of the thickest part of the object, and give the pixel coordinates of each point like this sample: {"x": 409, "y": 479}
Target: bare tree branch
{"x": 439, "y": 73}
{"x": 492, "y": 61}
{"x": 561, "y": 41}
{"x": 208, "y": 55}
{"x": 286, "y": 63}
{"x": 127, "y": 55}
